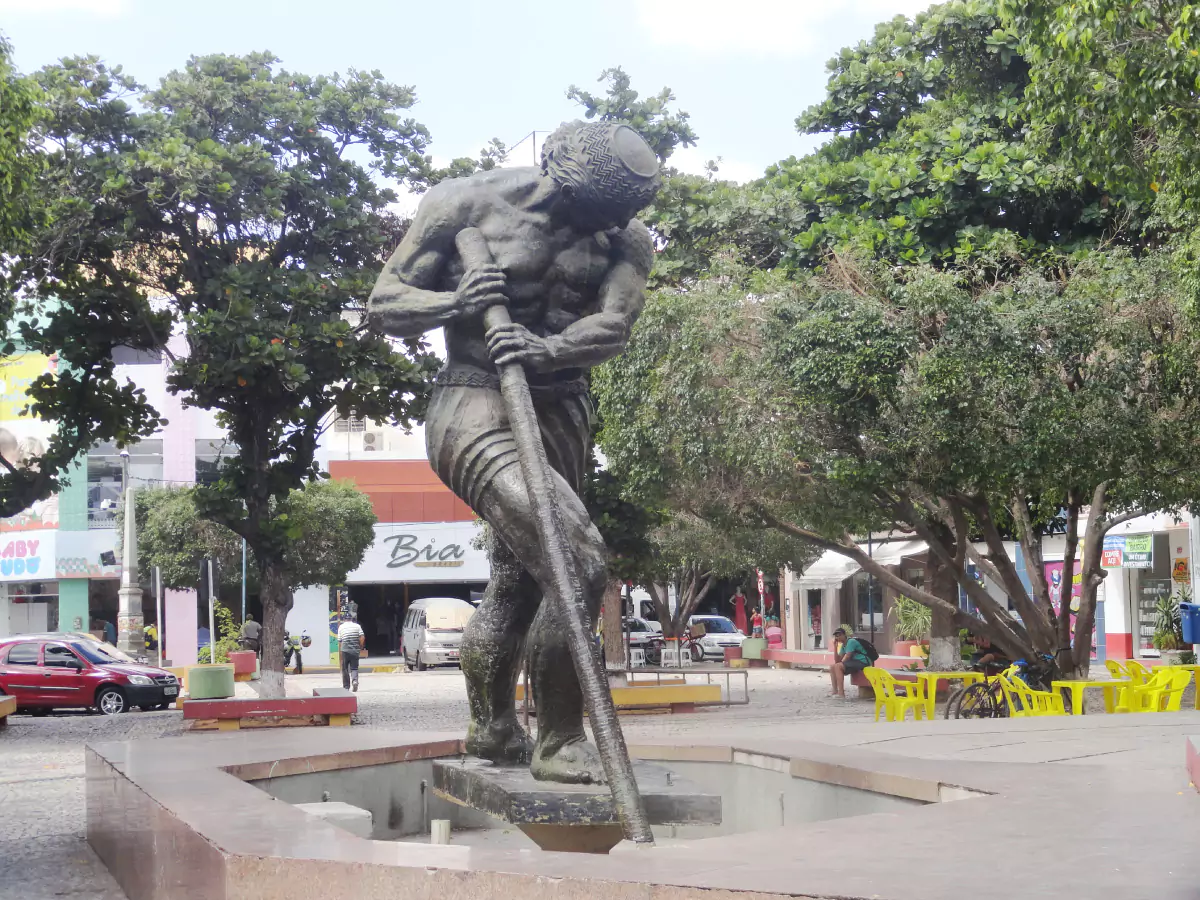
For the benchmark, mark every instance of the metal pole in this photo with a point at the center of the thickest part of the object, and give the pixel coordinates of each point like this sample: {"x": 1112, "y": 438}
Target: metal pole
{"x": 871, "y": 584}
{"x": 212, "y": 616}
{"x": 158, "y": 616}
{"x": 564, "y": 589}
{"x": 243, "y": 580}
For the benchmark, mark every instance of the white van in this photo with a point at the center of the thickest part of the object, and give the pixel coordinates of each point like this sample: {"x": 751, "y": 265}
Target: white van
{"x": 433, "y": 631}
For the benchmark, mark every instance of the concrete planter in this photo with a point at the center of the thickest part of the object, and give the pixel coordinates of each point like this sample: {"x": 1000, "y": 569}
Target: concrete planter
{"x": 904, "y": 648}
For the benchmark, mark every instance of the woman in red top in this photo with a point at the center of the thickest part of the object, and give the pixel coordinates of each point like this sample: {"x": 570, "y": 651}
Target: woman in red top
{"x": 739, "y": 610}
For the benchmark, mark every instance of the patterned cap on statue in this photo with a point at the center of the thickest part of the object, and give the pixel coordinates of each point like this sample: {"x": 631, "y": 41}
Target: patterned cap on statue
{"x": 611, "y": 168}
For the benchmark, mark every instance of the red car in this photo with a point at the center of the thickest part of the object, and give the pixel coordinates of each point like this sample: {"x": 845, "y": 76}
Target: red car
{"x": 63, "y": 671}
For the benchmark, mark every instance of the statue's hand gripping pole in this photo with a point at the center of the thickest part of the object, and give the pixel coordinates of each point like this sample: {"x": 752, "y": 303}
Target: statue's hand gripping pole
{"x": 565, "y": 590}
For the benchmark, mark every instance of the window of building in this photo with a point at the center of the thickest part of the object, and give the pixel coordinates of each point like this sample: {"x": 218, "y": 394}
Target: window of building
{"x": 23, "y": 655}
{"x": 210, "y": 454}
{"x": 127, "y": 356}
{"x": 350, "y": 423}
{"x": 105, "y": 469}
{"x": 870, "y": 603}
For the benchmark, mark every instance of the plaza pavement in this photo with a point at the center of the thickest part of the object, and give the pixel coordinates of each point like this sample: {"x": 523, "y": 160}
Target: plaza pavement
{"x": 43, "y": 853}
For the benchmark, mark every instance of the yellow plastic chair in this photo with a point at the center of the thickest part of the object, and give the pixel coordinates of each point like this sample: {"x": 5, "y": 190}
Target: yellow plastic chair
{"x": 1137, "y": 672}
{"x": 1023, "y": 701}
{"x": 1116, "y": 670}
{"x": 895, "y": 698}
{"x": 1162, "y": 693}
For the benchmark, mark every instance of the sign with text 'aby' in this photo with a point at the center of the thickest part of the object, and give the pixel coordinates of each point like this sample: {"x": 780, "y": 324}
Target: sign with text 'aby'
{"x": 27, "y": 556}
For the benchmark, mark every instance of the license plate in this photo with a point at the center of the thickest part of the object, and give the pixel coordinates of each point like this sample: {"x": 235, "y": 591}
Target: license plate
{"x": 170, "y": 691}
{"x": 454, "y": 653}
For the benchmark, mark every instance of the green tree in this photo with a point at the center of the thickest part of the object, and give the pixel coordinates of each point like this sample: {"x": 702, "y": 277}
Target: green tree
{"x": 248, "y": 204}
{"x": 693, "y": 554}
{"x": 1113, "y": 87}
{"x": 335, "y": 525}
{"x": 830, "y": 406}
{"x": 664, "y": 129}
{"x": 49, "y": 235}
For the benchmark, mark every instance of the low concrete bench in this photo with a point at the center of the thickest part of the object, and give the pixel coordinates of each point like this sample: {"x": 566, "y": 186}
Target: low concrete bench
{"x": 678, "y": 697}
{"x": 327, "y": 706}
{"x": 859, "y": 680}
{"x": 8, "y": 706}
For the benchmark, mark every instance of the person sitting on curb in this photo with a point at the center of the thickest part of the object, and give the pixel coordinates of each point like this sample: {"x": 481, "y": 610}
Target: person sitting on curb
{"x": 852, "y": 658}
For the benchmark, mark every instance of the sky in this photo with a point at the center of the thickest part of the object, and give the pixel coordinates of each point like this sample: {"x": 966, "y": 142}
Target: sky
{"x": 743, "y": 69}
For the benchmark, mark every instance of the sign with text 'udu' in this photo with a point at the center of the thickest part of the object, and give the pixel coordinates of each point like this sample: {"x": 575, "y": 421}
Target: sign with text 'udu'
{"x": 27, "y": 556}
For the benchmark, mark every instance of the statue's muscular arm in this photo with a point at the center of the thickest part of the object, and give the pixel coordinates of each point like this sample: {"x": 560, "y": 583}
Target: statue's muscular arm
{"x": 592, "y": 339}
{"x": 404, "y": 302}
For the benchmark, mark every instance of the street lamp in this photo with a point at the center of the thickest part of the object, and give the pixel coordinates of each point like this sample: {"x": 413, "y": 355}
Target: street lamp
{"x": 130, "y": 639}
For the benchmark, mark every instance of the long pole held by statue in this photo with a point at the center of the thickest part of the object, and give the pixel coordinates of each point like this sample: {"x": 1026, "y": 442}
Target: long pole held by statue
{"x": 514, "y": 387}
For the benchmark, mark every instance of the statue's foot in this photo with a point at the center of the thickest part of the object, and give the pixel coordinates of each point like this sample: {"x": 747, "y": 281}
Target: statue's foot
{"x": 500, "y": 742}
{"x": 575, "y": 762}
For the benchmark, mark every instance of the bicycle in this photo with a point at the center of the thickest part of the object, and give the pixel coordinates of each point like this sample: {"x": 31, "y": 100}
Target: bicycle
{"x": 985, "y": 699}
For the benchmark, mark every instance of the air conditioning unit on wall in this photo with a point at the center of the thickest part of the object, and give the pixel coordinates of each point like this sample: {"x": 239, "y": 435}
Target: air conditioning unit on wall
{"x": 372, "y": 441}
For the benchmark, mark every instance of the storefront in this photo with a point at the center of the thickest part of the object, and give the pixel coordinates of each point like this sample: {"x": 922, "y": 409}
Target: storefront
{"x": 408, "y": 562}
{"x": 28, "y": 588}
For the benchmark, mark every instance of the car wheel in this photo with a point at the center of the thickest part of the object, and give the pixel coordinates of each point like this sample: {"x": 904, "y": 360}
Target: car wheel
{"x": 39, "y": 711}
{"x": 111, "y": 702}
{"x": 419, "y": 666}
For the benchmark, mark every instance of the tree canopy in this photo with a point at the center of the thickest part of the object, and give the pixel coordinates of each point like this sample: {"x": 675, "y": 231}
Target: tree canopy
{"x": 246, "y": 200}
{"x": 52, "y": 231}
{"x": 958, "y": 328}
{"x": 335, "y": 523}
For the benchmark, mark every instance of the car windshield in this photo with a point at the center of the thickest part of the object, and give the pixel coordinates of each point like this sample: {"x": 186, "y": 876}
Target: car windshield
{"x": 635, "y": 625}
{"x": 95, "y": 653}
{"x": 718, "y": 625}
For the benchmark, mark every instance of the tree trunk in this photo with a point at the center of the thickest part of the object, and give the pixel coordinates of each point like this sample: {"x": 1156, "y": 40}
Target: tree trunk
{"x": 944, "y": 651}
{"x": 614, "y": 634}
{"x": 277, "y": 601}
{"x": 1091, "y": 577}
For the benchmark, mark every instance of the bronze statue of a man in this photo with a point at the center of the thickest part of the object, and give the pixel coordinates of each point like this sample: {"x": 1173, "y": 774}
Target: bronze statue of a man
{"x": 570, "y": 263}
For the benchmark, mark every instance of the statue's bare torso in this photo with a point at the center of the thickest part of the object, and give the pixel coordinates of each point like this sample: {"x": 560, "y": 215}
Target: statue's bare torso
{"x": 581, "y": 289}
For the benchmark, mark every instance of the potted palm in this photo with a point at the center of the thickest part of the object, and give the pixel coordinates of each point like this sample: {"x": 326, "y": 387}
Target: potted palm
{"x": 1168, "y": 630}
{"x": 912, "y": 622}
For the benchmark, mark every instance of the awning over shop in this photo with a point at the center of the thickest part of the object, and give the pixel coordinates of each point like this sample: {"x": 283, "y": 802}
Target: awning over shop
{"x": 833, "y": 568}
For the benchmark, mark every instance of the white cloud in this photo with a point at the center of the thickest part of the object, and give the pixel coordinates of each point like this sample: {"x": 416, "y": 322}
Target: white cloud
{"x": 101, "y": 8}
{"x": 759, "y": 26}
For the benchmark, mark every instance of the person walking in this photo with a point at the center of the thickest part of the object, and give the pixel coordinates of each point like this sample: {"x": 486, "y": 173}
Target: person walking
{"x": 350, "y": 641}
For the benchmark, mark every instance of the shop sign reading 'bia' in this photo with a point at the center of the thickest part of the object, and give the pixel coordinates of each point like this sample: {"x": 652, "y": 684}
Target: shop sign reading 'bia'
{"x": 407, "y": 550}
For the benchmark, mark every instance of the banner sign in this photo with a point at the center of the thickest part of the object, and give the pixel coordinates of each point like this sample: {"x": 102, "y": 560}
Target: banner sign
{"x": 1128, "y": 551}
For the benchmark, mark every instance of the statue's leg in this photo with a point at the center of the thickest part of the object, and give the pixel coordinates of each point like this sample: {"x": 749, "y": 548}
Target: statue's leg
{"x": 491, "y": 658}
{"x": 562, "y": 752}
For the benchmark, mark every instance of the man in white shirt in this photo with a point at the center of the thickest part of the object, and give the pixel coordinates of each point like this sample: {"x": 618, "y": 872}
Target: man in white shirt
{"x": 350, "y": 642}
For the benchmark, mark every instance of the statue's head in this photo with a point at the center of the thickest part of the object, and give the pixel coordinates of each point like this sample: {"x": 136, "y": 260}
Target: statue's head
{"x": 606, "y": 172}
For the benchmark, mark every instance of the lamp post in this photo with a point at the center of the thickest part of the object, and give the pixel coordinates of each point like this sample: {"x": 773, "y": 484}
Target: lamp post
{"x": 130, "y": 638}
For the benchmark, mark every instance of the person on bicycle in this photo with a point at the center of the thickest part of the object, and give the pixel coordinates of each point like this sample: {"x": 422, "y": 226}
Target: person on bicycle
{"x": 852, "y": 658}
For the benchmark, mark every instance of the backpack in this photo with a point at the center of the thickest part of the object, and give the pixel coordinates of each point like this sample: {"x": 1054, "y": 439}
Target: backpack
{"x": 869, "y": 647}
